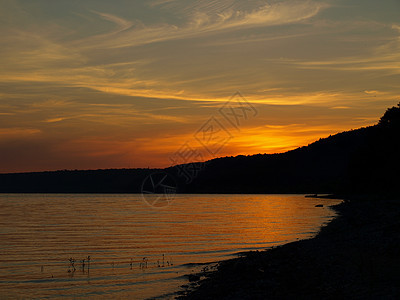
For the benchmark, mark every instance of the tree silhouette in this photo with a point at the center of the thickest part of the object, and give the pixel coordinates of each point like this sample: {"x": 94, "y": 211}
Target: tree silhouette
{"x": 391, "y": 118}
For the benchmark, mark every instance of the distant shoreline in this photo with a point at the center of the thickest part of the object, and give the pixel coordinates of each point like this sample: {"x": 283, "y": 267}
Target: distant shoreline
{"x": 355, "y": 256}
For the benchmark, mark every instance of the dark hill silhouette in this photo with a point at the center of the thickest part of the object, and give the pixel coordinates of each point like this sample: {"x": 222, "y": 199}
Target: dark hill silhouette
{"x": 364, "y": 160}
{"x": 356, "y": 161}
{"x": 76, "y": 181}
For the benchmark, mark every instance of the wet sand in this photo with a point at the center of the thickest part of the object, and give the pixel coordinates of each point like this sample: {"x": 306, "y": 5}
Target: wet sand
{"x": 356, "y": 256}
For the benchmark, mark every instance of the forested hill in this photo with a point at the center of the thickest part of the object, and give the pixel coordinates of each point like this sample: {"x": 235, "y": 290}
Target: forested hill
{"x": 364, "y": 160}
{"x": 361, "y": 160}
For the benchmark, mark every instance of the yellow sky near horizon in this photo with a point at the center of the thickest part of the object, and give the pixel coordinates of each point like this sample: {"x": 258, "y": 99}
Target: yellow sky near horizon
{"x": 94, "y": 84}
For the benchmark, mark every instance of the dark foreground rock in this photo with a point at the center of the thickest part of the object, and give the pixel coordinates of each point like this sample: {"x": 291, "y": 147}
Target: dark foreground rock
{"x": 357, "y": 256}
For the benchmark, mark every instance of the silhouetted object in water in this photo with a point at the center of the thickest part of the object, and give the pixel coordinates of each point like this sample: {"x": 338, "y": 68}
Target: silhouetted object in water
{"x": 71, "y": 265}
{"x": 143, "y": 264}
{"x": 88, "y": 260}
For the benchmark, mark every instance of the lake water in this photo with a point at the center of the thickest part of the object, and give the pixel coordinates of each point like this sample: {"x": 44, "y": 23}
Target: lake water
{"x": 137, "y": 251}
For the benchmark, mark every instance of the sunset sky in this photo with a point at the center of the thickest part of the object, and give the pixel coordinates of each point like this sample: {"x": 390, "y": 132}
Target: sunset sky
{"x": 93, "y": 84}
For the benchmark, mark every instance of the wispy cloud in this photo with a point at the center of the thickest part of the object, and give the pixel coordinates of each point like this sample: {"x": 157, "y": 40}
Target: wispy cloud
{"x": 122, "y": 23}
{"x": 205, "y": 20}
{"x": 385, "y": 57}
{"x": 47, "y": 59}
{"x": 101, "y": 80}
{"x": 17, "y": 132}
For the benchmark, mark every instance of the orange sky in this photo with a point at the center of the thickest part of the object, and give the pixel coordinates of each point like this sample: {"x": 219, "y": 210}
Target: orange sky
{"x": 95, "y": 84}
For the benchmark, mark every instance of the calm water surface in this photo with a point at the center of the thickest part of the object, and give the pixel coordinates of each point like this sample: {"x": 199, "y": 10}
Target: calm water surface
{"x": 137, "y": 251}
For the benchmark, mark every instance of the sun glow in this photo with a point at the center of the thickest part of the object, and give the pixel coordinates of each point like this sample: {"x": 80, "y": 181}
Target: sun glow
{"x": 87, "y": 85}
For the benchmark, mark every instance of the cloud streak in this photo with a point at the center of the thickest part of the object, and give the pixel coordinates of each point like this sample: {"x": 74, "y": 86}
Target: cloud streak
{"x": 95, "y": 84}
{"x": 202, "y": 22}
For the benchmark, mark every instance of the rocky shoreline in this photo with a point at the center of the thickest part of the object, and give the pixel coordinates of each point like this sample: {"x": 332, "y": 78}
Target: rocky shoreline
{"x": 356, "y": 256}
